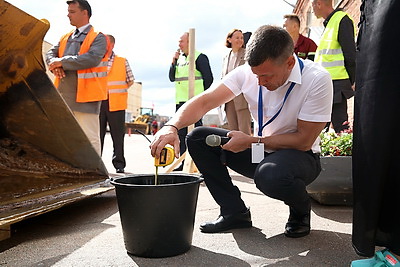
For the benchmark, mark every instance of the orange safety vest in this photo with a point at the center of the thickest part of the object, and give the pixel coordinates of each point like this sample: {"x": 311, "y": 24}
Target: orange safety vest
{"x": 117, "y": 85}
{"x": 92, "y": 82}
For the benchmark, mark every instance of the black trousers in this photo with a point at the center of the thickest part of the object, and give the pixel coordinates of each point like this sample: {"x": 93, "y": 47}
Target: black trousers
{"x": 281, "y": 175}
{"x": 340, "y": 116}
{"x": 116, "y": 122}
{"x": 342, "y": 91}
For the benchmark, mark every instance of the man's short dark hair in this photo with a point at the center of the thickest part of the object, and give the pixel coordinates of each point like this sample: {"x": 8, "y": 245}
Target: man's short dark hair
{"x": 83, "y": 5}
{"x": 269, "y": 43}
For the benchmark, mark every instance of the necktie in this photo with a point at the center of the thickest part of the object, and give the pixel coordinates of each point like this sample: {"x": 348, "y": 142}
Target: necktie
{"x": 76, "y": 33}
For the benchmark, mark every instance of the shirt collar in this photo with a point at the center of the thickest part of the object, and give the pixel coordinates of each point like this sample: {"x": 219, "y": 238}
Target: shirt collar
{"x": 330, "y": 16}
{"x": 81, "y": 29}
{"x": 295, "y": 74}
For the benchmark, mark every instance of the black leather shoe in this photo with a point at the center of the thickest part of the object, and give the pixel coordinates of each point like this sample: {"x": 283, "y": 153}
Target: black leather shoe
{"x": 120, "y": 170}
{"x": 227, "y": 222}
{"x": 298, "y": 226}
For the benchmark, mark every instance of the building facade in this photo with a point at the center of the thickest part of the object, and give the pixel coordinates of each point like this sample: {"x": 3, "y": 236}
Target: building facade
{"x": 134, "y": 101}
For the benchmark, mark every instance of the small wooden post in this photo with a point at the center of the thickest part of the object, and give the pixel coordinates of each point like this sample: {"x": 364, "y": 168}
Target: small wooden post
{"x": 189, "y": 165}
{"x": 192, "y": 57}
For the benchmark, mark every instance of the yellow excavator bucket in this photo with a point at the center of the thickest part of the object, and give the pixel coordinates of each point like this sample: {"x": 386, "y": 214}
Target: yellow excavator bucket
{"x": 46, "y": 160}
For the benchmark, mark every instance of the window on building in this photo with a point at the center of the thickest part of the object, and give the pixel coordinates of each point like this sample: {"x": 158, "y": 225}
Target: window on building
{"x": 310, "y": 16}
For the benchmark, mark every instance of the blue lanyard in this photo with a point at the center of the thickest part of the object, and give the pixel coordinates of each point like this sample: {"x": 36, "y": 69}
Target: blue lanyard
{"x": 260, "y": 103}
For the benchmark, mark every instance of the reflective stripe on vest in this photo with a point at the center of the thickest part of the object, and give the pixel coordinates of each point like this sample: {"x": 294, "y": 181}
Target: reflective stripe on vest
{"x": 329, "y": 52}
{"x": 182, "y": 79}
{"x": 187, "y": 78}
{"x": 116, "y": 83}
{"x": 92, "y": 82}
{"x": 117, "y": 86}
{"x": 114, "y": 91}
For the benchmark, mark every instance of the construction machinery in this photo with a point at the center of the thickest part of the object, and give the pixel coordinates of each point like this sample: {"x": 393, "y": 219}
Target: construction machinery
{"x": 46, "y": 160}
{"x": 142, "y": 122}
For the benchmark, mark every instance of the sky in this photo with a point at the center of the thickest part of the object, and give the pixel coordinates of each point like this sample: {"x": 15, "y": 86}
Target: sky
{"x": 147, "y": 33}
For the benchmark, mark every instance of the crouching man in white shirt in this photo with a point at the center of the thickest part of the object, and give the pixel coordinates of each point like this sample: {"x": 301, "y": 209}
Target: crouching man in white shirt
{"x": 291, "y": 101}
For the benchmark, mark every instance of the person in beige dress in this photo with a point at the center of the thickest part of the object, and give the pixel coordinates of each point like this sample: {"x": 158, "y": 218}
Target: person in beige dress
{"x": 237, "y": 110}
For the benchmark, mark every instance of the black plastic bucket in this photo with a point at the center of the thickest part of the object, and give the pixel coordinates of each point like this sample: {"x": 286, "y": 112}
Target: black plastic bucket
{"x": 157, "y": 220}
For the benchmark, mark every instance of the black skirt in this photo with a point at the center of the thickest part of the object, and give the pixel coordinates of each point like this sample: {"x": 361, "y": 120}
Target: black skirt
{"x": 376, "y": 146}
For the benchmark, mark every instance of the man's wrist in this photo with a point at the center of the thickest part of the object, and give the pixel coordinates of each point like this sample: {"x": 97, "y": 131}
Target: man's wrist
{"x": 258, "y": 139}
{"x": 173, "y": 126}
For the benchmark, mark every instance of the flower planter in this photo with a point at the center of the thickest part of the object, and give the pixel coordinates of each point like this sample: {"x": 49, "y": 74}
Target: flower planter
{"x": 334, "y": 185}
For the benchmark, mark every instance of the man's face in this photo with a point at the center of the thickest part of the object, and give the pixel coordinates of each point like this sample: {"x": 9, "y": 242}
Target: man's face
{"x": 272, "y": 75}
{"x": 77, "y": 17}
{"x": 111, "y": 46}
{"x": 289, "y": 25}
{"x": 184, "y": 43}
{"x": 316, "y": 8}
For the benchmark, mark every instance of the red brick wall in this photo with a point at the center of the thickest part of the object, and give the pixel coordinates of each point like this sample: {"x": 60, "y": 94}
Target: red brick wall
{"x": 352, "y": 7}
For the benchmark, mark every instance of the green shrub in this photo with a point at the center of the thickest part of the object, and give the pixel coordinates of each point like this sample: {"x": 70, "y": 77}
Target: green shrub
{"x": 336, "y": 144}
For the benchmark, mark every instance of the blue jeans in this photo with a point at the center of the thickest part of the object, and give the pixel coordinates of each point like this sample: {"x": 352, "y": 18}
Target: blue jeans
{"x": 282, "y": 175}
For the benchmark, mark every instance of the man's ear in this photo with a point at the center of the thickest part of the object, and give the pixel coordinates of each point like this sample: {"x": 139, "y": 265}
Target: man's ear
{"x": 290, "y": 62}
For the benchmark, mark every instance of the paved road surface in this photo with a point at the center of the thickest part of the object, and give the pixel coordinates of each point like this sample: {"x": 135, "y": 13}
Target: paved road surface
{"x": 88, "y": 233}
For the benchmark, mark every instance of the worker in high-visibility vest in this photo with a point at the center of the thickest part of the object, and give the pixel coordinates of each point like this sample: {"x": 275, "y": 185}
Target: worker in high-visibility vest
{"x": 337, "y": 53}
{"x": 179, "y": 73}
{"x": 79, "y": 63}
{"x": 112, "y": 112}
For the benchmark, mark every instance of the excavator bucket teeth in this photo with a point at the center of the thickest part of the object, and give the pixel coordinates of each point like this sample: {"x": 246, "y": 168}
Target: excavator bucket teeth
{"x": 43, "y": 150}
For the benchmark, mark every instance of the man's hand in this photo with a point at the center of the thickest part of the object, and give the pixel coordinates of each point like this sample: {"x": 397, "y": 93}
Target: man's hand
{"x": 166, "y": 135}
{"x": 176, "y": 56}
{"x": 55, "y": 63}
{"x": 239, "y": 141}
{"x": 55, "y": 67}
{"x": 58, "y": 72}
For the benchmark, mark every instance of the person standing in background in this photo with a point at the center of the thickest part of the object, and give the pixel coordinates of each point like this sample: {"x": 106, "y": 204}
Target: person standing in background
{"x": 79, "y": 63}
{"x": 179, "y": 73}
{"x": 112, "y": 111}
{"x": 237, "y": 110}
{"x": 337, "y": 53}
{"x": 304, "y": 47}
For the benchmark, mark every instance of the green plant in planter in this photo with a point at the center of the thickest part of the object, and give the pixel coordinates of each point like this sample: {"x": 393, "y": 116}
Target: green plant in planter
{"x": 336, "y": 144}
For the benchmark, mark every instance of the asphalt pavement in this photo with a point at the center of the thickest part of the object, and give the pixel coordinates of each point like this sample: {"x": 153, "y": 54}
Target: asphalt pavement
{"x": 89, "y": 233}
